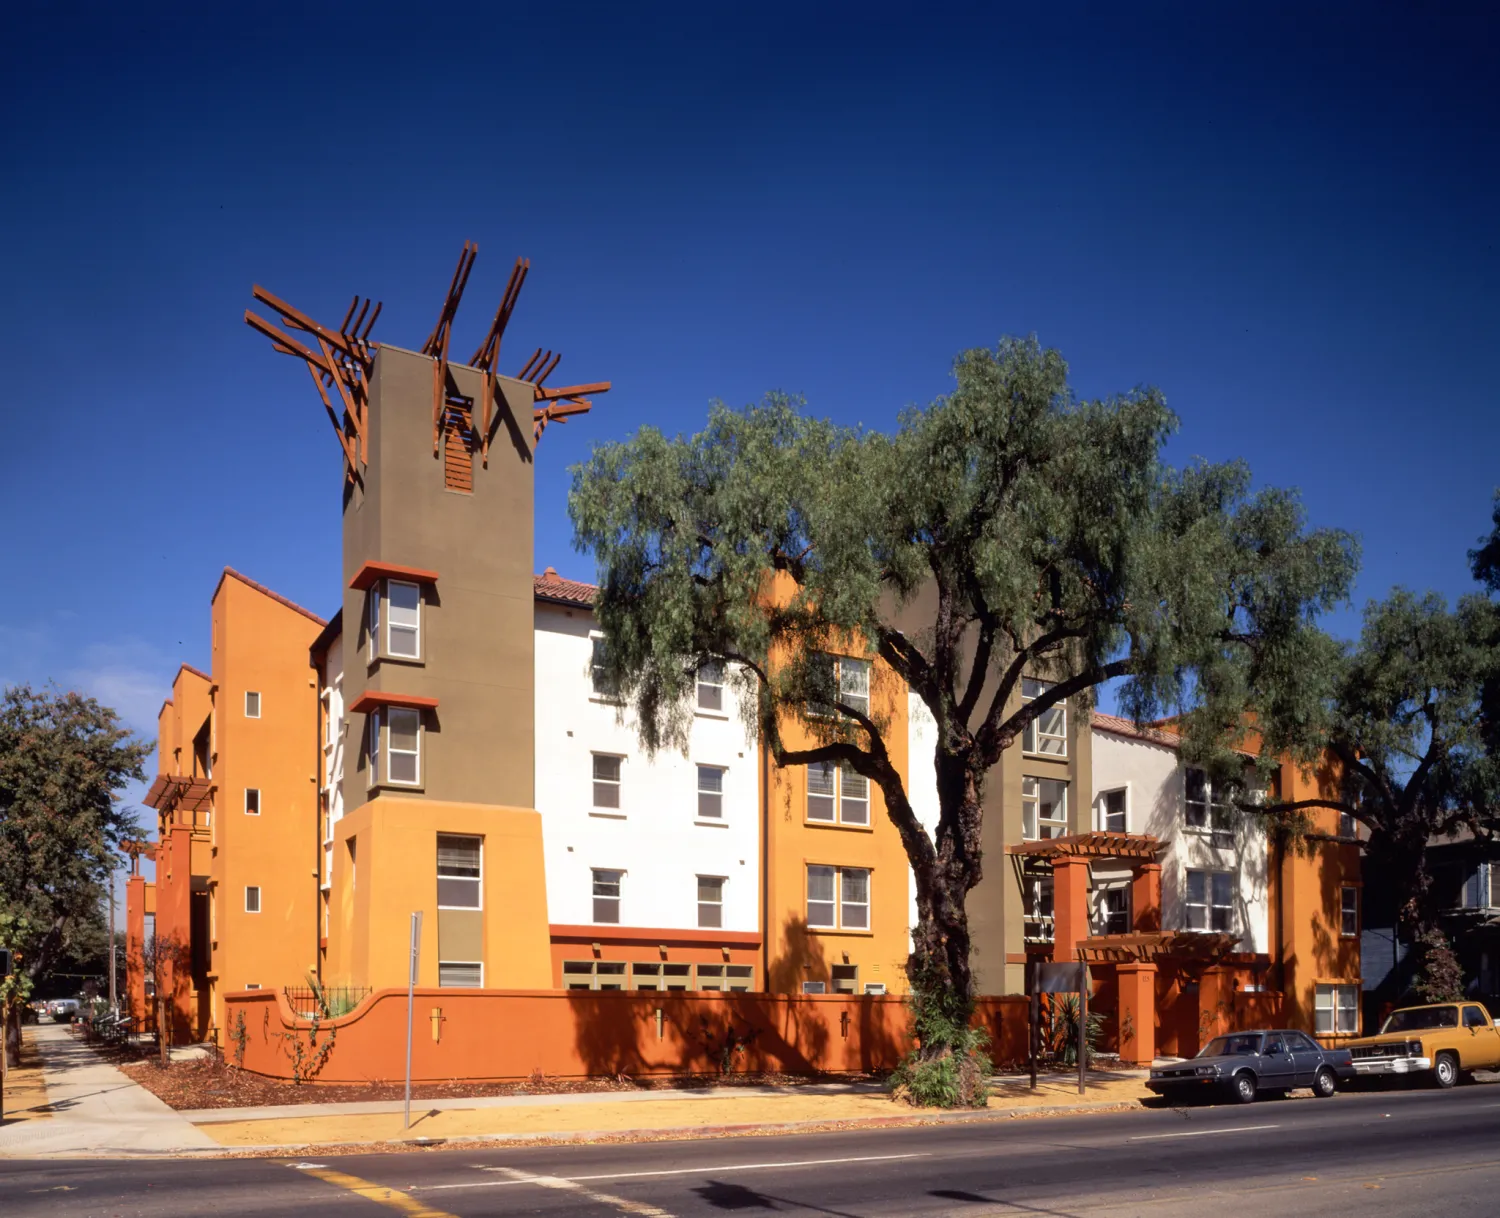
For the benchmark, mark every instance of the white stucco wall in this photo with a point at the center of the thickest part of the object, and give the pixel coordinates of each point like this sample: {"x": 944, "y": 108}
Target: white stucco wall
{"x": 1154, "y": 782}
{"x": 655, "y": 837}
{"x": 921, "y": 782}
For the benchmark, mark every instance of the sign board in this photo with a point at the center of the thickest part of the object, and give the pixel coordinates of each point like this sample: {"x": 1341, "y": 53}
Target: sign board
{"x": 1064, "y": 978}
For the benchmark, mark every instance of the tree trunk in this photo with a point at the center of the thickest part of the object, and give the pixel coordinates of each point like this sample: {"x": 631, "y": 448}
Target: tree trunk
{"x": 12, "y": 1035}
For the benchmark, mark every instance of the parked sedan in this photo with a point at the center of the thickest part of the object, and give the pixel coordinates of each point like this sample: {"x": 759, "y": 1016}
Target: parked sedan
{"x": 1243, "y": 1064}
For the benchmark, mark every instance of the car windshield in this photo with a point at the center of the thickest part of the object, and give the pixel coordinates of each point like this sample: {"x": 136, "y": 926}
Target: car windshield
{"x": 1242, "y": 1044}
{"x": 1419, "y": 1019}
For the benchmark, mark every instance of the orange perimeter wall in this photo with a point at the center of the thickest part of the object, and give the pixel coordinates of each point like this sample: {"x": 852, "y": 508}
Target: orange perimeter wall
{"x": 500, "y": 1034}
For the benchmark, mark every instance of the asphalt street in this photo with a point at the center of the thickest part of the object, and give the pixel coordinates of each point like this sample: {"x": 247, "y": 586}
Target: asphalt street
{"x": 1366, "y": 1153}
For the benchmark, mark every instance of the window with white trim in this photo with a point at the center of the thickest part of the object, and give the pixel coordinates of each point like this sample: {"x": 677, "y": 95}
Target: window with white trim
{"x": 711, "y": 687}
{"x": 838, "y": 898}
{"x": 1203, "y": 806}
{"x": 603, "y": 686}
{"x": 606, "y": 781}
{"x": 372, "y": 746}
{"x": 837, "y": 794}
{"x": 1336, "y": 1010}
{"x": 710, "y": 792}
{"x": 1047, "y": 734}
{"x": 404, "y": 745}
{"x": 252, "y": 704}
{"x": 1112, "y": 811}
{"x": 874, "y": 987}
{"x": 1114, "y": 910}
{"x": 252, "y": 801}
{"x": 372, "y": 619}
{"x": 1348, "y": 911}
{"x": 403, "y": 630}
{"x": 1210, "y": 900}
{"x": 252, "y": 898}
{"x": 1044, "y": 808}
{"x": 711, "y": 901}
{"x": 848, "y": 677}
{"x": 460, "y": 863}
{"x": 461, "y": 974}
{"x": 1348, "y": 826}
{"x": 607, "y": 896}
{"x": 814, "y": 987}
{"x": 845, "y": 978}
{"x": 252, "y": 985}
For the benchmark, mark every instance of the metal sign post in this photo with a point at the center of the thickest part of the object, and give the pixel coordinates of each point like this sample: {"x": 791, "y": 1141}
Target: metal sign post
{"x": 1066, "y": 979}
{"x": 1035, "y": 1022}
{"x": 1083, "y": 1021}
{"x": 411, "y": 986}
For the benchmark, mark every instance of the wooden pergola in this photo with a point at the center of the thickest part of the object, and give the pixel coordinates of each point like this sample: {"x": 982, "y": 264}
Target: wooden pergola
{"x": 1097, "y": 845}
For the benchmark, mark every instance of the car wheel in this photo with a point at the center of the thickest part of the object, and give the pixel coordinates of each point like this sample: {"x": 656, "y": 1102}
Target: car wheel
{"x": 1445, "y": 1070}
{"x": 1324, "y": 1084}
{"x": 1244, "y": 1087}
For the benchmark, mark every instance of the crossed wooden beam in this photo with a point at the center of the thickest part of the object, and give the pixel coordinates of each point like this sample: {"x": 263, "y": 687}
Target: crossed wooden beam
{"x": 343, "y": 360}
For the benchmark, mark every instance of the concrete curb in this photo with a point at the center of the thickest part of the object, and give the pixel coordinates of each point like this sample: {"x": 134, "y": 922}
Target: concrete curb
{"x": 688, "y": 1132}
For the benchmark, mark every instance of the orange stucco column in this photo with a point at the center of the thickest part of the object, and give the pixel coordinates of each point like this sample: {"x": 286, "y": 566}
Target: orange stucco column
{"x": 1215, "y": 1004}
{"x": 135, "y": 949}
{"x": 1137, "y": 1013}
{"x": 1145, "y": 897}
{"x": 1070, "y": 907}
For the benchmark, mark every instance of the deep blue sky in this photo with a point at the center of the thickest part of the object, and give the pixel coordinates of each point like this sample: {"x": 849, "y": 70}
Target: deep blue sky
{"x": 1287, "y": 222}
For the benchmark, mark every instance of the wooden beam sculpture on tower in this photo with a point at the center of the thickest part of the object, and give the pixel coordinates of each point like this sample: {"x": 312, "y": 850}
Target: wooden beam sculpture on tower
{"x": 345, "y": 359}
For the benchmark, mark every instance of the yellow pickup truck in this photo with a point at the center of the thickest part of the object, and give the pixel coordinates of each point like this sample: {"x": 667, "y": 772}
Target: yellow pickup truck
{"x": 1444, "y": 1039}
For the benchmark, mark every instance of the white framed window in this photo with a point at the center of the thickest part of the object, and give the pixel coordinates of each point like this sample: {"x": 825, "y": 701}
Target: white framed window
{"x": 711, "y": 901}
{"x": 460, "y": 871}
{"x": 599, "y": 679}
{"x": 1336, "y": 1010}
{"x": 461, "y": 974}
{"x": 404, "y": 745}
{"x": 1044, "y": 808}
{"x": 874, "y": 987}
{"x": 373, "y": 745}
{"x": 814, "y": 987}
{"x": 1203, "y": 806}
{"x": 711, "y": 687}
{"x": 252, "y": 704}
{"x": 252, "y": 801}
{"x": 850, "y": 677}
{"x": 252, "y": 985}
{"x": 607, "y": 896}
{"x": 1348, "y": 911}
{"x": 252, "y": 898}
{"x": 1210, "y": 900}
{"x": 1047, "y": 734}
{"x": 710, "y": 792}
{"x": 372, "y": 618}
{"x": 595, "y": 975}
{"x": 1114, "y": 910}
{"x": 1348, "y": 826}
{"x": 606, "y": 781}
{"x": 1113, "y": 811}
{"x": 1038, "y": 922}
{"x": 652, "y": 975}
{"x": 403, "y": 631}
{"x": 837, "y": 795}
{"x": 838, "y": 898}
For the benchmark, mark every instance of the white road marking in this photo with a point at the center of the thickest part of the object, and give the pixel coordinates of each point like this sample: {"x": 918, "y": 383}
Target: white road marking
{"x": 623, "y": 1204}
{"x": 1199, "y": 1133}
{"x": 521, "y": 1178}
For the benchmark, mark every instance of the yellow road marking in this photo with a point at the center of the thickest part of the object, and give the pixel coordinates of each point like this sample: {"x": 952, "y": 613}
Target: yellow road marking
{"x": 397, "y": 1200}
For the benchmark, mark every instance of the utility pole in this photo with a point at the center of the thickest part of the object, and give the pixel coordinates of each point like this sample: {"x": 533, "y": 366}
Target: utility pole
{"x": 113, "y": 1003}
{"x": 411, "y": 985}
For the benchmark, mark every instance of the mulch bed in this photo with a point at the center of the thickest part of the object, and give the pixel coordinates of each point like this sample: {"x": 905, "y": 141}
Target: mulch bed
{"x": 213, "y": 1083}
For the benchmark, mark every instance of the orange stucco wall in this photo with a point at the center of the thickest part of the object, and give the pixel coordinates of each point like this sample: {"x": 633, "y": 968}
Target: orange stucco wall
{"x": 393, "y": 873}
{"x": 795, "y": 952}
{"x": 486, "y": 1034}
{"x": 260, "y": 643}
{"x": 1306, "y": 899}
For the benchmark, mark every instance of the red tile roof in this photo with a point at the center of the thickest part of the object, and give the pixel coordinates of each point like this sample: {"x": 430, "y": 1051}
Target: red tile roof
{"x": 550, "y": 586}
{"x": 1125, "y": 727}
{"x": 275, "y": 596}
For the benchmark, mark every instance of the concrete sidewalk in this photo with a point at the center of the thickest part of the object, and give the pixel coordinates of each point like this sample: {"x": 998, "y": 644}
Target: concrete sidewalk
{"x": 94, "y": 1110}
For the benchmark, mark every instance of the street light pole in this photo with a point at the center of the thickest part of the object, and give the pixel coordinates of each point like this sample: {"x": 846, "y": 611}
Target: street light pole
{"x": 411, "y": 986}
{"x": 113, "y": 1004}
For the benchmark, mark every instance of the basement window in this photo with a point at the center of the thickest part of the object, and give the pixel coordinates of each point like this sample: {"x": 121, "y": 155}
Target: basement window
{"x": 593, "y": 974}
{"x": 654, "y": 976}
{"x": 736, "y": 978}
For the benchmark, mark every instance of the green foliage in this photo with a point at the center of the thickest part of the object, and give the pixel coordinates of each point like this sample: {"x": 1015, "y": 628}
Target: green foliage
{"x": 1439, "y": 977}
{"x": 1061, "y": 1032}
{"x": 950, "y": 1064}
{"x": 1008, "y": 528}
{"x": 63, "y": 760}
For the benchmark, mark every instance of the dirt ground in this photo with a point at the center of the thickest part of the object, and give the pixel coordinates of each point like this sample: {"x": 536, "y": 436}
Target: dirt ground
{"x": 25, "y": 1093}
{"x": 213, "y": 1083}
